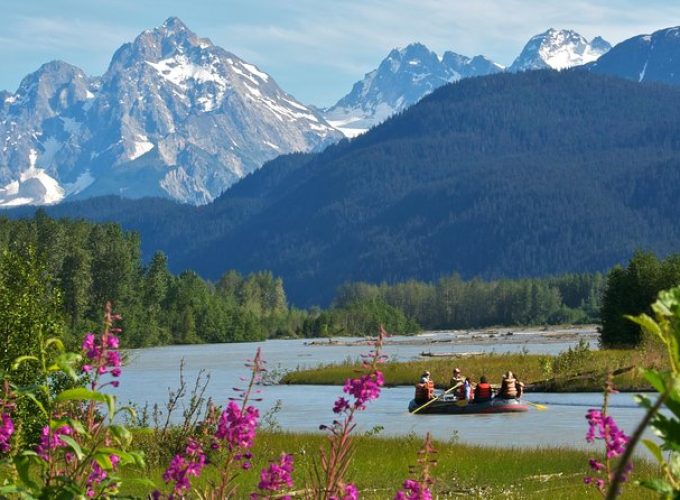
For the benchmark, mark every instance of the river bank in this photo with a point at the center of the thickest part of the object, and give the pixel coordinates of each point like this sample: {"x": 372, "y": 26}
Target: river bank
{"x": 576, "y": 370}
{"x": 380, "y": 465}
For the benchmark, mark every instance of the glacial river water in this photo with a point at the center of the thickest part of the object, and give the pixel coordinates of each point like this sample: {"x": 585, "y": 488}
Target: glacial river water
{"x": 152, "y": 372}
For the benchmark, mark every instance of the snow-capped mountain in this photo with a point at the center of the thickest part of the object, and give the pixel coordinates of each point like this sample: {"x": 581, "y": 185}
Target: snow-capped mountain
{"x": 558, "y": 49}
{"x": 173, "y": 116}
{"x": 403, "y": 78}
{"x": 644, "y": 58}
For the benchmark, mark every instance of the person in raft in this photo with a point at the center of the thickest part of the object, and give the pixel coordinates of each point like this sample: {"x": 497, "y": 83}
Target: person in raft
{"x": 483, "y": 391}
{"x": 425, "y": 388}
{"x": 457, "y": 380}
{"x": 511, "y": 388}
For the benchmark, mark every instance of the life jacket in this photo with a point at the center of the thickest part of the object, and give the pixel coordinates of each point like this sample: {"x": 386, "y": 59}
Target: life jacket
{"x": 425, "y": 391}
{"x": 509, "y": 388}
{"x": 483, "y": 391}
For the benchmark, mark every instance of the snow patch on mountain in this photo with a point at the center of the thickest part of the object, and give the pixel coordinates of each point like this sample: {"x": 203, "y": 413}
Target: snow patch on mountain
{"x": 193, "y": 117}
{"x": 558, "y": 49}
{"x": 33, "y": 187}
{"x": 404, "y": 77}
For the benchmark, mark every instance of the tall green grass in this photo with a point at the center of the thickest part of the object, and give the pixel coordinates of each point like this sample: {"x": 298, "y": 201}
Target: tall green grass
{"x": 566, "y": 370}
{"x": 381, "y": 464}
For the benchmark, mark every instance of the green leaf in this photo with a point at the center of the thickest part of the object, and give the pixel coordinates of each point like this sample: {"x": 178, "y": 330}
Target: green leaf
{"x": 655, "y": 449}
{"x": 148, "y": 483}
{"x": 647, "y": 323}
{"x": 40, "y": 406}
{"x": 655, "y": 378}
{"x": 22, "y": 464}
{"x": 57, "y": 342}
{"x": 22, "y": 359}
{"x": 73, "y": 445}
{"x": 103, "y": 460}
{"x": 658, "y": 485}
{"x": 66, "y": 362}
{"x": 110, "y": 400}
{"x": 122, "y": 434}
{"x": 643, "y": 401}
{"x": 81, "y": 394}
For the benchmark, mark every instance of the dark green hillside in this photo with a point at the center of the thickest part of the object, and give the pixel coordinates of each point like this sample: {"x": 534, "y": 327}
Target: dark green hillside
{"x": 503, "y": 176}
{"x": 509, "y": 175}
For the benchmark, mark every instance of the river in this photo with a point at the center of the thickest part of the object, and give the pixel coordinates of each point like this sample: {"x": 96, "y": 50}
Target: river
{"x": 151, "y": 372}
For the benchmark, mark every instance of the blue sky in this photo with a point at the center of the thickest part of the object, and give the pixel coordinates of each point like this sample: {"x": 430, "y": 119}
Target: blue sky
{"x": 314, "y": 49}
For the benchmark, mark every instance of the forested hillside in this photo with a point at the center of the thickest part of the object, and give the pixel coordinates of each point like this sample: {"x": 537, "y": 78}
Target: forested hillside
{"x": 503, "y": 176}
{"x": 75, "y": 267}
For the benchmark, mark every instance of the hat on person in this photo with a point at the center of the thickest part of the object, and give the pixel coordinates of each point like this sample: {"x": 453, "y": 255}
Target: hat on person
{"x": 456, "y": 370}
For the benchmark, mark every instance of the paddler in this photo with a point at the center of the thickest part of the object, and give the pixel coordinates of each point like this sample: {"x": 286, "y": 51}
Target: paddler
{"x": 483, "y": 391}
{"x": 457, "y": 380}
{"x": 425, "y": 388}
{"x": 511, "y": 388}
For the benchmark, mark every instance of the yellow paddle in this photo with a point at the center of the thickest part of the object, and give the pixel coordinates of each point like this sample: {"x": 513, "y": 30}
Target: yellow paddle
{"x": 437, "y": 398}
{"x": 536, "y": 405}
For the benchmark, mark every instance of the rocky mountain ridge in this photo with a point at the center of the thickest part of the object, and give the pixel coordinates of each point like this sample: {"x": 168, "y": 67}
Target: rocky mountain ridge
{"x": 173, "y": 116}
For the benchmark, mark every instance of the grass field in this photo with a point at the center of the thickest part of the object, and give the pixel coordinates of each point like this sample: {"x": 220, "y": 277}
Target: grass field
{"x": 380, "y": 465}
{"x": 575, "y": 371}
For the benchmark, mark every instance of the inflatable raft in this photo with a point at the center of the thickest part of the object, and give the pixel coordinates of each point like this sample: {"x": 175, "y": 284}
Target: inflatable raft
{"x": 458, "y": 407}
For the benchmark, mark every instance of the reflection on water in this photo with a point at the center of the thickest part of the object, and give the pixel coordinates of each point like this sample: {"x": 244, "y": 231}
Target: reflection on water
{"x": 152, "y": 372}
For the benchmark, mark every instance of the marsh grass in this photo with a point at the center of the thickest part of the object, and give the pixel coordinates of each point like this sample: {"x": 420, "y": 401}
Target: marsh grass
{"x": 380, "y": 465}
{"x": 571, "y": 371}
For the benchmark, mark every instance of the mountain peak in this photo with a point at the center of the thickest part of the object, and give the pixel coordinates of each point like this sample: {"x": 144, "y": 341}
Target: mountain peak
{"x": 173, "y": 23}
{"x": 558, "y": 49}
{"x": 405, "y": 76}
{"x": 644, "y": 58}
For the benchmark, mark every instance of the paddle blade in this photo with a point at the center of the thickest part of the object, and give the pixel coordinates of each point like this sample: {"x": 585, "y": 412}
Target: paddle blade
{"x": 536, "y": 405}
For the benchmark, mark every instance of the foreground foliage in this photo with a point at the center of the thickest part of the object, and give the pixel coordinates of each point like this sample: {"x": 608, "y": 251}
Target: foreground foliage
{"x": 379, "y": 464}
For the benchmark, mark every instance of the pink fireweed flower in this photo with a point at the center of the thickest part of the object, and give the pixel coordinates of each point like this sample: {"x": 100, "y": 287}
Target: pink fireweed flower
{"x": 348, "y": 492}
{"x": 595, "y": 465}
{"x": 277, "y": 476}
{"x": 365, "y": 388}
{"x": 603, "y": 427}
{"x": 101, "y": 352}
{"x": 340, "y": 405}
{"x": 413, "y": 490}
{"x": 6, "y": 431}
{"x": 181, "y": 467}
{"x": 90, "y": 347}
{"x": 236, "y": 427}
{"x": 51, "y": 440}
{"x": 98, "y": 475}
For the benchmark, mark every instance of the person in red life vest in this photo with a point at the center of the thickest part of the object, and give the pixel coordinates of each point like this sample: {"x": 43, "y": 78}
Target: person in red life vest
{"x": 483, "y": 391}
{"x": 424, "y": 389}
{"x": 511, "y": 388}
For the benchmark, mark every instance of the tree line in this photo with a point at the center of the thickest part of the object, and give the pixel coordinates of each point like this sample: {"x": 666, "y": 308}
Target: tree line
{"x": 630, "y": 290}
{"x": 82, "y": 265}
{"x": 452, "y": 302}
